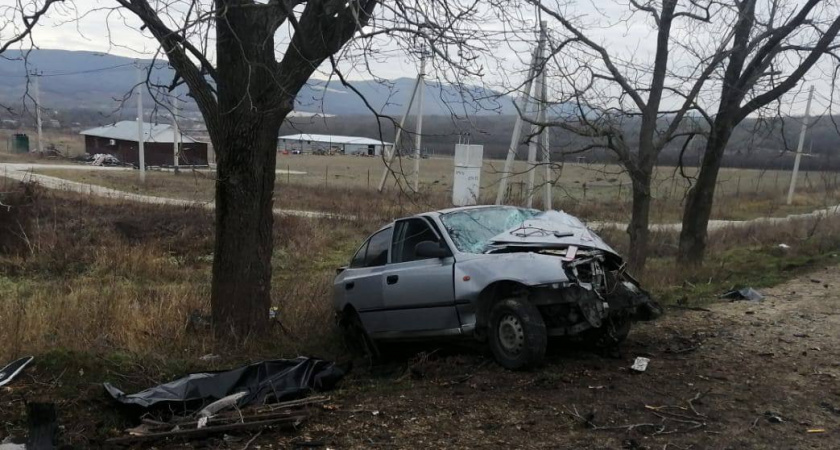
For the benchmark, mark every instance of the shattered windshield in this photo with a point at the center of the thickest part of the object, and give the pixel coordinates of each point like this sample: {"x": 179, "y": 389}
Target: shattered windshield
{"x": 472, "y": 229}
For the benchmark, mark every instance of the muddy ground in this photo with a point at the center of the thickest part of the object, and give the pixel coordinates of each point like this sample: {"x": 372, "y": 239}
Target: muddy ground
{"x": 733, "y": 375}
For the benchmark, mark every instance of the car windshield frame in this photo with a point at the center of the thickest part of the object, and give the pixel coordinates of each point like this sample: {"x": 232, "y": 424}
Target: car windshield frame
{"x": 472, "y": 230}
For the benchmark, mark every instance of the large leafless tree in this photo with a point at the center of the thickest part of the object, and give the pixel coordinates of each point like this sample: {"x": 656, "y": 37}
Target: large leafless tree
{"x": 634, "y": 107}
{"x": 774, "y": 46}
{"x": 244, "y": 63}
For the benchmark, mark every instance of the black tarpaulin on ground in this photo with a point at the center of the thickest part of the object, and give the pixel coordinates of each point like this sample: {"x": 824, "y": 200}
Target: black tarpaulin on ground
{"x": 276, "y": 380}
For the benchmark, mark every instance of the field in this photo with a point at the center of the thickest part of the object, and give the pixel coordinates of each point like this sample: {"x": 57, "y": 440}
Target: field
{"x": 102, "y": 290}
{"x": 595, "y": 192}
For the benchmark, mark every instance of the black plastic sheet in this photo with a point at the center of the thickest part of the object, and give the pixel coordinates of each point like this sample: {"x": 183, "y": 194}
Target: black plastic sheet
{"x": 265, "y": 381}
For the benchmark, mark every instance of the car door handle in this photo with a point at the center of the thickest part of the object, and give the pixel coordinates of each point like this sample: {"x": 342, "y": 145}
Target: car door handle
{"x": 392, "y": 279}
{"x": 349, "y": 285}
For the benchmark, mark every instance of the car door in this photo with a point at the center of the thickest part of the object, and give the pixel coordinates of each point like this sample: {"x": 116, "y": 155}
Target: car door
{"x": 362, "y": 280}
{"x": 419, "y": 295}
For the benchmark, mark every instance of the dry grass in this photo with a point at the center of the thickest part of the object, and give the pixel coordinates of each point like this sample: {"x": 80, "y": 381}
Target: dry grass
{"x": 103, "y": 276}
{"x": 95, "y": 275}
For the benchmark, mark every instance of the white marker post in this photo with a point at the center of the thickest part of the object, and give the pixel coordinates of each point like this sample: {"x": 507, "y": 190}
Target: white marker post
{"x": 418, "y": 138}
{"x": 140, "y": 150}
{"x": 38, "y": 113}
{"x": 529, "y": 92}
{"x": 802, "y": 133}
{"x": 176, "y": 133}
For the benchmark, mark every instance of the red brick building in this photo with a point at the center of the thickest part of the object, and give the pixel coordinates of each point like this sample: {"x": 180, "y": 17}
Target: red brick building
{"x": 120, "y": 140}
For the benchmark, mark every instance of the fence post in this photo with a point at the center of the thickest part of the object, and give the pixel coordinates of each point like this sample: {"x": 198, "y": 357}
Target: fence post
{"x": 738, "y": 188}
{"x": 327, "y": 176}
{"x": 288, "y": 173}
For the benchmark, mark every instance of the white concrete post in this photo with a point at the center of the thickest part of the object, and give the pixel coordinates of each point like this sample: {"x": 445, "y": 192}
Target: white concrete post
{"x": 38, "y": 113}
{"x": 418, "y": 138}
{"x": 802, "y": 133}
{"x": 140, "y": 150}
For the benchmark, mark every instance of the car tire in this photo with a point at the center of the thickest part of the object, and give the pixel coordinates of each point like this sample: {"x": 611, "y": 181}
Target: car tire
{"x": 356, "y": 338}
{"x": 517, "y": 334}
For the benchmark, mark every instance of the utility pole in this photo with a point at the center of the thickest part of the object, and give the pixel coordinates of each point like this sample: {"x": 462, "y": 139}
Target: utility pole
{"x": 802, "y": 133}
{"x": 140, "y": 135}
{"x": 176, "y": 133}
{"x": 530, "y": 92}
{"x": 537, "y": 129}
{"x": 37, "y": 86}
{"x": 389, "y": 158}
{"x": 418, "y": 139}
{"x": 548, "y": 184}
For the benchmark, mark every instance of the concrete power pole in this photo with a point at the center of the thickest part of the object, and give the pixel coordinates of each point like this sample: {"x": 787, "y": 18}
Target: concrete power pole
{"x": 141, "y": 152}
{"x": 176, "y": 133}
{"x": 418, "y": 139}
{"x": 802, "y": 133}
{"x": 37, "y": 87}
{"x": 532, "y": 92}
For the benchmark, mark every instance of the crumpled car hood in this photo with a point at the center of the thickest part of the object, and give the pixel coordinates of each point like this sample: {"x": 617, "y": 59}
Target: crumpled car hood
{"x": 555, "y": 229}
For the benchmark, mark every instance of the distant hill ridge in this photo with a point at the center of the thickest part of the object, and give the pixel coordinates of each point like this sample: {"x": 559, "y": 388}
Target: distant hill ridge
{"x": 82, "y": 79}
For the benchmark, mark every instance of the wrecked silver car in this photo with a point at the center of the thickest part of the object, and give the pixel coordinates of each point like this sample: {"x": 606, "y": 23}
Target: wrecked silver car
{"x": 508, "y": 276}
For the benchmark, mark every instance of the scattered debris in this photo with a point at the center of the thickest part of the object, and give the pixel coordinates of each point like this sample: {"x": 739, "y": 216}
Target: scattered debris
{"x": 640, "y": 364}
{"x": 773, "y": 417}
{"x": 286, "y": 415}
{"x": 784, "y": 246}
{"x": 105, "y": 159}
{"x": 830, "y": 408}
{"x": 264, "y": 382}
{"x": 816, "y": 430}
{"x": 747, "y": 293}
{"x": 11, "y": 370}
{"x": 210, "y": 357}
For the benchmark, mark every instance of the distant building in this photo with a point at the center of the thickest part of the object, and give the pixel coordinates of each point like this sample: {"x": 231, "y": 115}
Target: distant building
{"x": 330, "y": 144}
{"x": 120, "y": 140}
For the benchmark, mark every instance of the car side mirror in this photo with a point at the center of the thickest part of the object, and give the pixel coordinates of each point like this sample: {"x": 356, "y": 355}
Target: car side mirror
{"x": 340, "y": 269}
{"x": 431, "y": 249}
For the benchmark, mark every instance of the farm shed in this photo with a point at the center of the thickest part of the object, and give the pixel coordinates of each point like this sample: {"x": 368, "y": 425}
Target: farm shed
{"x": 328, "y": 144}
{"x": 120, "y": 140}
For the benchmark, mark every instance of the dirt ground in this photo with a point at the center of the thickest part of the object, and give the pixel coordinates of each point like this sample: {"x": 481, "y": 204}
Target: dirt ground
{"x": 734, "y": 375}
{"x": 721, "y": 378}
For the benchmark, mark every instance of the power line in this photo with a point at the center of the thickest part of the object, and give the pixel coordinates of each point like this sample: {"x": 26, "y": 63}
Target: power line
{"x": 62, "y": 74}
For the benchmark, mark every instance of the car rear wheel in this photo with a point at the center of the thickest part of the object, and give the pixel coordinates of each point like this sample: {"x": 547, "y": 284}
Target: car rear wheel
{"x": 356, "y": 337}
{"x": 517, "y": 334}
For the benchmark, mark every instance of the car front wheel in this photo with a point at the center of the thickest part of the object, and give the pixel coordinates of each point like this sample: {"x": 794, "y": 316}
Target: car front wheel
{"x": 517, "y": 333}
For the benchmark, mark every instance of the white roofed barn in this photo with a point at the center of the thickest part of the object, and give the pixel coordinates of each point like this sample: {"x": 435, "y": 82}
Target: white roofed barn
{"x": 332, "y": 144}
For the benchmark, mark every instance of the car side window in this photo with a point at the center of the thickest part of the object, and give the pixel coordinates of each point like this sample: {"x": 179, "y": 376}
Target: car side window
{"x": 359, "y": 258}
{"x": 407, "y": 234}
{"x": 377, "y": 251}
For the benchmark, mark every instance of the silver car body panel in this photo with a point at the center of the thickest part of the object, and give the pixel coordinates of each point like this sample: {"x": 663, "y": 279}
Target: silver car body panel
{"x": 438, "y": 297}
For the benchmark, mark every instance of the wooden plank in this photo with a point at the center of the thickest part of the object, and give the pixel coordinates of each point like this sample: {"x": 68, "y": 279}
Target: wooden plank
{"x": 288, "y": 422}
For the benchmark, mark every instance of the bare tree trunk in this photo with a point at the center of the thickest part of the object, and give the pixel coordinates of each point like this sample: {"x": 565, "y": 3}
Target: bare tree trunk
{"x": 640, "y": 220}
{"x": 241, "y": 291}
{"x": 698, "y": 207}
{"x": 252, "y": 105}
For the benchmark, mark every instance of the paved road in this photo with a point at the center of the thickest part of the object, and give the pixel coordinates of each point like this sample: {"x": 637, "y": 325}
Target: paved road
{"x": 23, "y": 172}
{"x": 19, "y": 171}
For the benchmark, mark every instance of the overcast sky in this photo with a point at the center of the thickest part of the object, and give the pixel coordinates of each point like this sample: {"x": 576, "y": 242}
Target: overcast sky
{"x": 96, "y": 25}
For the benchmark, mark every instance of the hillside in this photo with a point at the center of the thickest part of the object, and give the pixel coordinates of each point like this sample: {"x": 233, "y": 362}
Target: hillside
{"x": 80, "y": 79}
